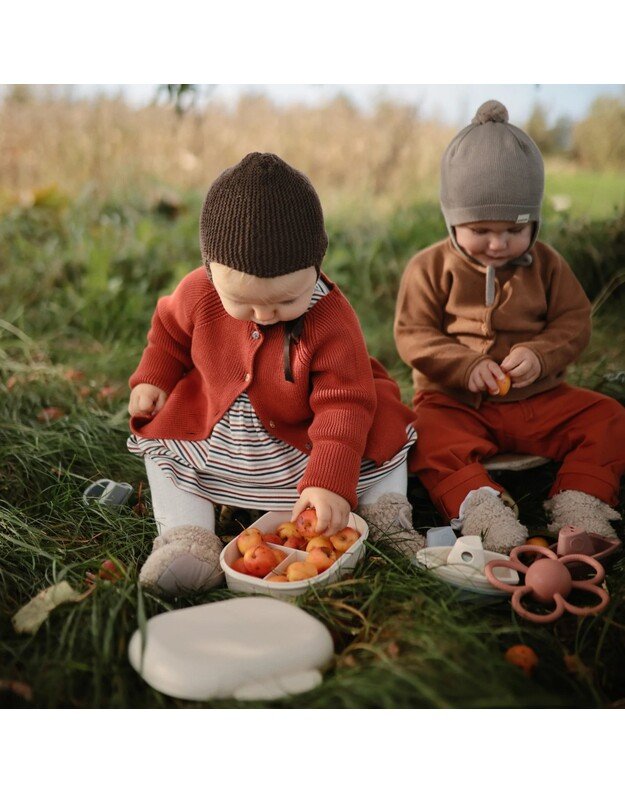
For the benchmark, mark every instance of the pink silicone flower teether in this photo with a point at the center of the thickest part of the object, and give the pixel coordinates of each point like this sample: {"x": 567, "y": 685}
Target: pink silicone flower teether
{"x": 548, "y": 581}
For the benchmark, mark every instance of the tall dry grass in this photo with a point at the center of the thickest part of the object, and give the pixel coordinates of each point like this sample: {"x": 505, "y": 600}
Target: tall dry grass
{"x": 106, "y": 146}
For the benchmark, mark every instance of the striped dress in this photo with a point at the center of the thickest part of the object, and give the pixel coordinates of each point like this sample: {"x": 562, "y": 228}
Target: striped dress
{"x": 242, "y": 465}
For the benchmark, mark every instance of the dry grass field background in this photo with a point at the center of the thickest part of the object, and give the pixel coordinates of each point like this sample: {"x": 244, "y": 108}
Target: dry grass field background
{"x": 106, "y": 146}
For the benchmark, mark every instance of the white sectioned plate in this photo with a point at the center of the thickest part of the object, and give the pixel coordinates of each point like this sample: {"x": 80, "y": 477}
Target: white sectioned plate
{"x": 465, "y": 577}
{"x": 267, "y": 523}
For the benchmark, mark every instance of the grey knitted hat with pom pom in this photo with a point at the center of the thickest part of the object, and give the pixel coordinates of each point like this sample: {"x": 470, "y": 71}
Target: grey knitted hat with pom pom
{"x": 491, "y": 171}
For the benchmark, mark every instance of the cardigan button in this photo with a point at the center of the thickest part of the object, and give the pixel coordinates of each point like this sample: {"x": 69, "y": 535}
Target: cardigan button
{"x": 247, "y": 376}
{"x": 308, "y": 445}
{"x": 272, "y": 423}
{"x": 255, "y": 334}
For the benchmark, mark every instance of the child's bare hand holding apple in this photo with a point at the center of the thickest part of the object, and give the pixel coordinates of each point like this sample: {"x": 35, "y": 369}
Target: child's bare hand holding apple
{"x": 146, "y": 399}
{"x": 332, "y": 510}
{"x": 486, "y": 376}
{"x": 523, "y": 366}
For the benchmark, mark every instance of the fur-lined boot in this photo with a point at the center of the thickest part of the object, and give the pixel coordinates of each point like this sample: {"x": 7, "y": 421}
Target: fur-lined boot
{"x": 390, "y": 521}
{"x": 484, "y": 513}
{"x": 581, "y": 510}
{"x": 184, "y": 560}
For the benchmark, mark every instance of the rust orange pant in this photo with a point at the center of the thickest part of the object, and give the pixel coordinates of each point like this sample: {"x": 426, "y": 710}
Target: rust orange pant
{"x": 583, "y": 429}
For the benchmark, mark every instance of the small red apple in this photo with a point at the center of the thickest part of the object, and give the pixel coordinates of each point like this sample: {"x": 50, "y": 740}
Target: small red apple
{"x": 111, "y": 571}
{"x": 300, "y": 570}
{"x": 287, "y": 530}
{"x": 306, "y": 523}
{"x": 503, "y": 386}
{"x": 277, "y": 577}
{"x": 250, "y": 537}
{"x": 259, "y": 560}
{"x": 319, "y": 541}
{"x": 272, "y": 537}
{"x": 321, "y": 558}
{"x": 344, "y": 538}
{"x": 239, "y": 565}
{"x": 279, "y": 555}
{"x": 294, "y": 542}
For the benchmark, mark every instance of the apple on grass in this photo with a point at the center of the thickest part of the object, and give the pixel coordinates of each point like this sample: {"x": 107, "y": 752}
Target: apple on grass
{"x": 111, "y": 570}
{"x": 344, "y": 538}
{"x": 249, "y": 538}
{"x": 259, "y": 560}
{"x": 300, "y": 570}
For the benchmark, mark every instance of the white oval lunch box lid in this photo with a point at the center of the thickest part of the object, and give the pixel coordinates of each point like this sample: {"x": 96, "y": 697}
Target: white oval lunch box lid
{"x": 248, "y": 648}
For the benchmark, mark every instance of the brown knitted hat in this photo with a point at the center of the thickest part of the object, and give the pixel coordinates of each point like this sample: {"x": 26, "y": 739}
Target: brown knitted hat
{"x": 264, "y": 218}
{"x": 491, "y": 171}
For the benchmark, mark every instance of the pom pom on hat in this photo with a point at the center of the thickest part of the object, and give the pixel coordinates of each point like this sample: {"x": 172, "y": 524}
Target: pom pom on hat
{"x": 491, "y": 172}
{"x": 492, "y": 110}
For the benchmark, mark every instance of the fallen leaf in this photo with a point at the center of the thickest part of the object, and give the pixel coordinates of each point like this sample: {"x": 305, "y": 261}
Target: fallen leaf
{"x": 393, "y": 650}
{"x": 74, "y": 374}
{"x": 50, "y": 414}
{"x": 140, "y": 508}
{"x": 25, "y": 691}
{"x": 48, "y": 196}
{"x": 107, "y": 392}
{"x": 574, "y": 664}
{"x": 12, "y": 382}
{"x": 30, "y": 617}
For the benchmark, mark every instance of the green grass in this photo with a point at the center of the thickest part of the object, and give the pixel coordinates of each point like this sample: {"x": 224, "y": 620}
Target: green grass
{"x": 77, "y": 294}
{"x": 587, "y": 193}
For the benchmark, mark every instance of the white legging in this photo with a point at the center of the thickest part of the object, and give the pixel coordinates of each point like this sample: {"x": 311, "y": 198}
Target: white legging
{"x": 174, "y": 507}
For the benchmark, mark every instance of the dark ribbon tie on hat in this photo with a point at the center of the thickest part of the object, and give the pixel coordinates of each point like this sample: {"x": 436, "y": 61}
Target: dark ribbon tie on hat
{"x": 292, "y": 333}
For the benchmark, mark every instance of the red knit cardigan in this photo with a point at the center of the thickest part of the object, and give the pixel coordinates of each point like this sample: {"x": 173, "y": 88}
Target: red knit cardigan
{"x": 341, "y": 407}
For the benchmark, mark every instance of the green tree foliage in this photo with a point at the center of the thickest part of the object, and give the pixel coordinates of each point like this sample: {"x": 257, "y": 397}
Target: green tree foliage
{"x": 599, "y": 139}
{"x": 550, "y": 139}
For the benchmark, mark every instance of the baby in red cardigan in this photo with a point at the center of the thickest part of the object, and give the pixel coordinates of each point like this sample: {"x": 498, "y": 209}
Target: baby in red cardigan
{"x": 255, "y": 388}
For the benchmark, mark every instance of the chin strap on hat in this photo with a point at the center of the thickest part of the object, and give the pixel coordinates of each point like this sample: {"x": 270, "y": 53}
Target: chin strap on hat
{"x": 292, "y": 333}
{"x": 489, "y": 297}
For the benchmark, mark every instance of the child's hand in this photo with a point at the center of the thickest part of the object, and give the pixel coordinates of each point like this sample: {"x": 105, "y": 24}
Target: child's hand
{"x": 146, "y": 400}
{"x": 484, "y": 377}
{"x": 523, "y": 366}
{"x": 332, "y": 510}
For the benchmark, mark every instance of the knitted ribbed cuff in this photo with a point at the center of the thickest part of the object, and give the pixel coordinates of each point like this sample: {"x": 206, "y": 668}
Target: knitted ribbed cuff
{"x": 334, "y": 467}
{"x": 594, "y": 480}
{"x": 449, "y": 494}
{"x": 159, "y": 369}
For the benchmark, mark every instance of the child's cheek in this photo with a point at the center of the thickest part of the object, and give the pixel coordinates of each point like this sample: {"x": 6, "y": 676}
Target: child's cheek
{"x": 237, "y": 312}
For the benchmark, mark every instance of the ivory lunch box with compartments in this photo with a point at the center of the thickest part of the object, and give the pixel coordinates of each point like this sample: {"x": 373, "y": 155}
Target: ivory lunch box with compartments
{"x": 267, "y": 524}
